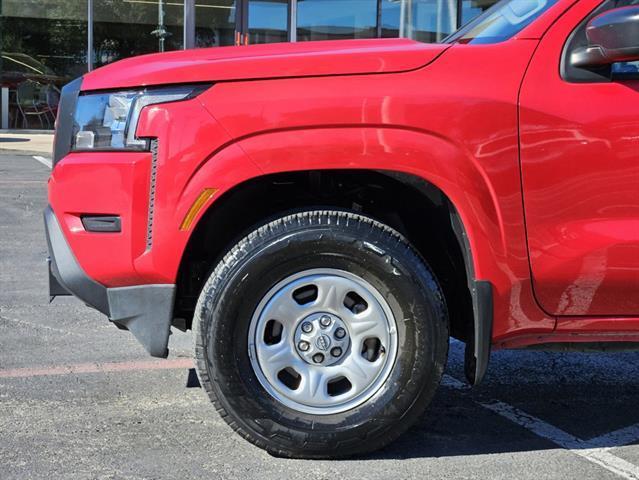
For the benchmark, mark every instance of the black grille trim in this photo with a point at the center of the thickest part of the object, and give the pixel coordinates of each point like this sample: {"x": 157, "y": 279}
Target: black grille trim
{"x": 64, "y": 122}
{"x": 154, "y": 172}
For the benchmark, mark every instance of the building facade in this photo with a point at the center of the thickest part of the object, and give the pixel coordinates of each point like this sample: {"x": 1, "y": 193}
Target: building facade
{"x": 46, "y": 43}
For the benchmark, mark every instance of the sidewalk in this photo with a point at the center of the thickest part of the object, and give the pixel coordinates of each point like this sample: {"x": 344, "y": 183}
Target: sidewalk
{"x": 28, "y": 143}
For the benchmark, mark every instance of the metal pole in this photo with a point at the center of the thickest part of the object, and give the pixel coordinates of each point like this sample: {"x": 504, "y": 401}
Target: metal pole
{"x": 90, "y": 35}
{"x": 4, "y": 100}
{"x": 440, "y": 20}
{"x": 189, "y": 24}
{"x": 161, "y": 25}
{"x": 459, "y": 16}
{"x": 452, "y": 19}
{"x": 293, "y": 21}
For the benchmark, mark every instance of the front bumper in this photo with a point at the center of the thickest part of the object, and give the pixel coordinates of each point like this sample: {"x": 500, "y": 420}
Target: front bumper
{"x": 144, "y": 310}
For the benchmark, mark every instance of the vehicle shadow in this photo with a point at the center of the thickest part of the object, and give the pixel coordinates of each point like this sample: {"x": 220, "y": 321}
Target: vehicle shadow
{"x": 587, "y": 395}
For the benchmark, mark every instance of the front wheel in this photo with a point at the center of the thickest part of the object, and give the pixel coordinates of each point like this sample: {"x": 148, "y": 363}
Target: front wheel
{"x": 321, "y": 334}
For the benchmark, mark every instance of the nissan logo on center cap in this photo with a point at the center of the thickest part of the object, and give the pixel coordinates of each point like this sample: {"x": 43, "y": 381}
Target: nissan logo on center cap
{"x": 323, "y": 342}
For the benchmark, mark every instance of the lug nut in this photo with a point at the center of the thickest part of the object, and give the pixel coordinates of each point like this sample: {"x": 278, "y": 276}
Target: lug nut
{"x": 325, "y": 321}
{"x": 340, "y": 333}
{"x": 303, "y": 346}
{"x": 318, "y": 358}
{"x": 307, "y": 327}
{"x": 336, "y": 351}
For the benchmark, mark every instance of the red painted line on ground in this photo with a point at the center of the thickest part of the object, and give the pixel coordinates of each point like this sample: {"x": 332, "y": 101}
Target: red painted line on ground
{"x": 77, "y": 368}
{"x": 20, "y": 182}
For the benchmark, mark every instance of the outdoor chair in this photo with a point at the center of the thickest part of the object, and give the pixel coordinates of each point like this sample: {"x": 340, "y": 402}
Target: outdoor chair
{"x": 30, "y": 104}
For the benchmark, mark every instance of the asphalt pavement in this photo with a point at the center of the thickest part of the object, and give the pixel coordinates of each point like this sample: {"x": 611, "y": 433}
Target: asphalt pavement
{"x": 80, "y": 399}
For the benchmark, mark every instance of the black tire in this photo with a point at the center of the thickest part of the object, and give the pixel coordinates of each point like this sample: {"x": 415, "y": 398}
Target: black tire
{"x": 320, "y": 239}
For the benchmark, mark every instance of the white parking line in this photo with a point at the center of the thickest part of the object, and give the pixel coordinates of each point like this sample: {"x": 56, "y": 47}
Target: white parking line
{"x": 44, "y": 161}
{"x": 595, "y": 450}
{"x": 623, "y": 436}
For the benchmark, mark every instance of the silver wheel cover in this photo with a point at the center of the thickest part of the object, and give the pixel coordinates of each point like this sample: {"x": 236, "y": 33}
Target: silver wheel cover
{"x": 328, "y": 354}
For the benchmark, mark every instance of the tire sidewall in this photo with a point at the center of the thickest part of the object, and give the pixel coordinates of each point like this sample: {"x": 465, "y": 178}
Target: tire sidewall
{"x": 393, "y": 268}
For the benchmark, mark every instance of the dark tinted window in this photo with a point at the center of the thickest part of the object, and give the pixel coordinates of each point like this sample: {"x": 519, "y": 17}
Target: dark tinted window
{"x": 123, "y": 29}
{"x": 215, "y": 23}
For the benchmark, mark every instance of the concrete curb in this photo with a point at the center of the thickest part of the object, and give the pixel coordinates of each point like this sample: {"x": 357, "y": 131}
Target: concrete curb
{"x": 40, "y": 143}
{"x": 13, "y": 131}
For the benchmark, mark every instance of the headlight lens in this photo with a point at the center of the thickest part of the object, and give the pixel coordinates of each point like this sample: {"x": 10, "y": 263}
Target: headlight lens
{"x": 107, "y": 121}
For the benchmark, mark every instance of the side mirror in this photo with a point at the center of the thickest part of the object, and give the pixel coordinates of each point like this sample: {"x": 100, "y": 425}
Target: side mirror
{"x": 612, "y": 37}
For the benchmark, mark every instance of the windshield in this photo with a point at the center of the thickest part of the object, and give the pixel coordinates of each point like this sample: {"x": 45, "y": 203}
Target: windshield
{"x": 501, "y": 21}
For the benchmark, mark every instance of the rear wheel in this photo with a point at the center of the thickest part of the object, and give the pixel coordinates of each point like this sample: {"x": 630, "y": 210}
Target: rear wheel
{"x": 321, "y": 334}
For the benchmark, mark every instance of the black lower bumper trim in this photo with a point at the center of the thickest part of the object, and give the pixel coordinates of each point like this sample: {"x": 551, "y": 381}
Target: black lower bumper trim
{"x": 145, "y": 310}
{"x": 66, "y": 269}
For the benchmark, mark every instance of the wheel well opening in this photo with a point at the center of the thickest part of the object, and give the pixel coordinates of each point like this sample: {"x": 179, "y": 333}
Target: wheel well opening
{"x": 410, "y": 205}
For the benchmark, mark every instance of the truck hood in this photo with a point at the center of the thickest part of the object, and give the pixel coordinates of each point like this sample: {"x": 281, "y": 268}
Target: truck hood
{"x": 304, "y": 59}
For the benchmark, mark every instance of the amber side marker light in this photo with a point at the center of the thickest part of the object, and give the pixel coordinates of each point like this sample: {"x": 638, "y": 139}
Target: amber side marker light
{"x": 200, "y": 201}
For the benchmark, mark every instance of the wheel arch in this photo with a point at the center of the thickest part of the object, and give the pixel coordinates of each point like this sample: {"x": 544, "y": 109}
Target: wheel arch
{"x": 389, "y": 196}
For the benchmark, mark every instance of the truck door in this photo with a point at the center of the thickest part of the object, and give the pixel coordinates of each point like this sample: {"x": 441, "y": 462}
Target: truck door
{"x": 580, "y": 173}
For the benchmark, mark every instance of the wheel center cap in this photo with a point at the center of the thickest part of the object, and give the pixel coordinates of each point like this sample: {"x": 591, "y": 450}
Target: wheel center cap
{"x": 323, "y": 342}
{"x": 322, "y": 339}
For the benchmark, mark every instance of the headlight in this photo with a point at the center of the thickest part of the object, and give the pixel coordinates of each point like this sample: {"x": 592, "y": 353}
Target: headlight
{"x": 106, "y": 121}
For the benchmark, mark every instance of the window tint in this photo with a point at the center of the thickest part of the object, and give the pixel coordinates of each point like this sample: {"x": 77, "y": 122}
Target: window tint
{"x": 501, "y": 22}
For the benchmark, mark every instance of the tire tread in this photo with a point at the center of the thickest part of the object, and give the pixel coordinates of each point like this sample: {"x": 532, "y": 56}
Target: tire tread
{"x": 289, "y": 223}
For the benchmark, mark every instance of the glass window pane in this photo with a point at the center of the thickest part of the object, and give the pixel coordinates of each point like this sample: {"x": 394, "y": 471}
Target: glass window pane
{"x": 123, "y": 28}
{"x": 621, "y": 69}
{"x": 268, "y": 21}
{"x": 44, "y": 45}
{"x": 422, "y": 20}
{"x": 215, "y": 23}
{"x": 336, "y": 19}
{"x": 473, "y": 8}
{"x": 501, "y": 21}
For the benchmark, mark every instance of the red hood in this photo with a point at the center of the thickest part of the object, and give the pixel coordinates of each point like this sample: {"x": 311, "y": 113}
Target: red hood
{"x": 304, "y": 59}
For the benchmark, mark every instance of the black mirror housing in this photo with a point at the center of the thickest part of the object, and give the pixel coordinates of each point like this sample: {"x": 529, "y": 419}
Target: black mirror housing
{"x": 613, "y": 36}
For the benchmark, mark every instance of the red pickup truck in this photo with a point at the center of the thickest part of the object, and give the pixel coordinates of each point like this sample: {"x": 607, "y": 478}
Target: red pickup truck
{"x": 326, "y": 215}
